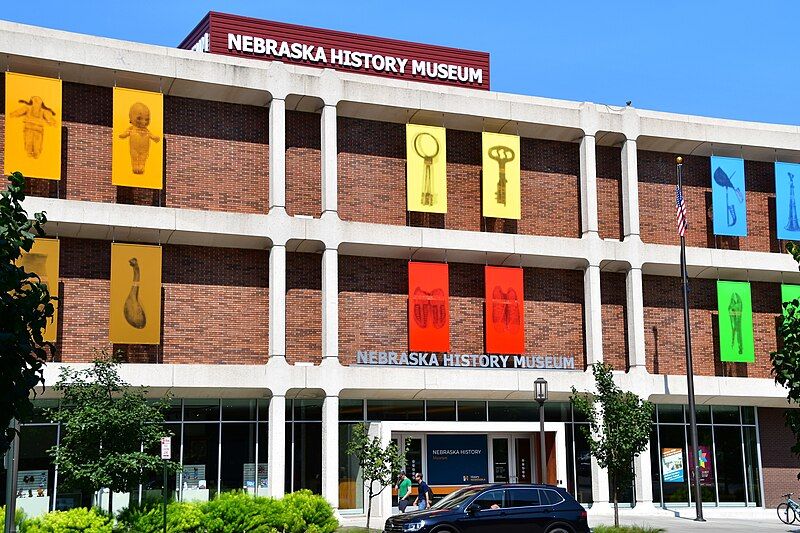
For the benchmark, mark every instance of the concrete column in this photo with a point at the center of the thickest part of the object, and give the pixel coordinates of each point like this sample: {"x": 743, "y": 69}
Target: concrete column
{"x": 643, "y": 481}
{"x": 277, "y": 460}
{"x": 330, "y": 450}
{"x": 589, "y": 223}
{"x": 277, "y": 301}
{"x": 277, "y": 154}
{"x": 600, "y": 487}
{"x": 330, "y": 303}
{"x": 329, "y": 160}
{"x": 630, "y": 189}
{"x": 635, "y": 311}
{"x": 592, "y": 315}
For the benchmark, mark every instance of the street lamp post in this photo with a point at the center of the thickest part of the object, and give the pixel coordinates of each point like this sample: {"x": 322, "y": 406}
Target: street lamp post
{"x": 540, "y": 394}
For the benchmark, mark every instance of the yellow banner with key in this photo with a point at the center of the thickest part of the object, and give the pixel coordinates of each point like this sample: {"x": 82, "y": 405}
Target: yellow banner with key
{"x": 426, "y": 169}
{"x": 501, "y": 176}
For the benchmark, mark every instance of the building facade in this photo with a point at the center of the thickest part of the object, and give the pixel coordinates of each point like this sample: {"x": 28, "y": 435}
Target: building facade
{"x": 286, "y": 239}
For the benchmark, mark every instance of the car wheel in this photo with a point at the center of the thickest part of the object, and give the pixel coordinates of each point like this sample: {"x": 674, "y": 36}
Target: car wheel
{"x": 559, "y": 529}
{"x": 444, "y": 530}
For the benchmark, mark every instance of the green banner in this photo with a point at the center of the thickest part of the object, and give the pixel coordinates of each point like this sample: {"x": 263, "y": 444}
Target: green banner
{"x": 789, "y": 293}
{"x": 735, "y": 322}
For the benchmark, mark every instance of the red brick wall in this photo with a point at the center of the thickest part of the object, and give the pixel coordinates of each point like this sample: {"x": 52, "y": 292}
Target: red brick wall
{"x": 303, "y": 164}
{"x": 614, "y": 317}
{"x": 215, "y": 305}
{"x": 373, "y": 308}
{"x": 657, "y": 203}
{"x": 780, "y": 466}
{"x": 303, "y": 307}
{"x": 663, "y": 320}
{"x": 609, "y": 192}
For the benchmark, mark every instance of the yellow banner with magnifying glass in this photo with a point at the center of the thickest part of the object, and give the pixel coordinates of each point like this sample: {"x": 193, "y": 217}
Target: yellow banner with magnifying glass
{"x": 501, "y": 176}
{"x": 426, "y": 168}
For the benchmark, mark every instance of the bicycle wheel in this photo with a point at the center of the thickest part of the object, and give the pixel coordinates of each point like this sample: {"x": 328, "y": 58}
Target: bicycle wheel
{"x": 786, "y": 513}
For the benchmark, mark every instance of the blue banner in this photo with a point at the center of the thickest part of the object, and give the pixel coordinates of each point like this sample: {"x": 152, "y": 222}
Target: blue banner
{"x": 457, "y": 459}
{"x": 787, "y": 176}
{"x": 728, "y": 196}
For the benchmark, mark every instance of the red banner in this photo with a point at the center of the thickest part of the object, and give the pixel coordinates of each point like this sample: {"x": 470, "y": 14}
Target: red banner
{"x": 428, "y": 307}
{"x": 505, "y": 324}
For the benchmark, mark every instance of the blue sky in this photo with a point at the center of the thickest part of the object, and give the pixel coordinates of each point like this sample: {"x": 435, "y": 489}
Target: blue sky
{"x": 732, "y": 59}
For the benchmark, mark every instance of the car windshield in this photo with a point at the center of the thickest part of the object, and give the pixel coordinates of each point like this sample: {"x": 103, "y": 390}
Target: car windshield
{"x": 457, "y": 498}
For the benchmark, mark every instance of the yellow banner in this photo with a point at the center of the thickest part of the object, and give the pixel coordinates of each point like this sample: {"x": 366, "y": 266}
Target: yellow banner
{"x": 137, "y": 148}
{"x": 43, "y": 260}
{"x": 33, "y": 126}
{"x": 501, "y": 181}
{"x": 426, "y": 169}
{"x": 135, "y": 305}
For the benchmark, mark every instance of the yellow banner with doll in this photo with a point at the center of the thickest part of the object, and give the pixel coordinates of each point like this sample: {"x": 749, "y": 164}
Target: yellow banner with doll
{"x": 138, "y": 143}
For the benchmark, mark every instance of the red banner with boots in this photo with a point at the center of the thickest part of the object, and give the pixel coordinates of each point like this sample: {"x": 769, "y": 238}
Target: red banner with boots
{"x": 505, "y": 324}
{"x": 428, "y": 307}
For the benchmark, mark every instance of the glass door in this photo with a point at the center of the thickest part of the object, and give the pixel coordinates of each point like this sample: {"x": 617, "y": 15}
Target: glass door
{"x": 501, "y": 459}
{"x": 522, "y": 455}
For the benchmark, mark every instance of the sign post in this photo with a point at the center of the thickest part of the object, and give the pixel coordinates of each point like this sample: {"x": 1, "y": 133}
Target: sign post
{"x": 166, "y": 454}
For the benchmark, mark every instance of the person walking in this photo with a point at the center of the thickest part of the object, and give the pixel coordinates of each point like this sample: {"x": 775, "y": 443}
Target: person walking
{"x": 424, "y": 493}
{"x": 403, "y": 492}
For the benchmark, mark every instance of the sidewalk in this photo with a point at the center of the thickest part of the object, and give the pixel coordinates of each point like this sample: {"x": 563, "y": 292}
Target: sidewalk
{"x": 671, "y": 524}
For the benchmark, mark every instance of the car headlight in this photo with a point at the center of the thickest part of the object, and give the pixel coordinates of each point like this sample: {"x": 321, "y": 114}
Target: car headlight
{"x": 414, "y": 526}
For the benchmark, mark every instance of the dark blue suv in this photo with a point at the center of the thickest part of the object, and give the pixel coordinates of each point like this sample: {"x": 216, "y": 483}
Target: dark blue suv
{"x": 497, "y": 508}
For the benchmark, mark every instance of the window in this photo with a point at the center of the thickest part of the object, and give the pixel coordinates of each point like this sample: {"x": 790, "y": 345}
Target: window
{"x": 470, "y": 411}
{"x": 523, "y": 497}
{"x": 489, "y": 500}
{"x": 440, "y": 410}
{"x": 513, "y": 412}
{"x": 550, "y": 496}
{"x": 351, "y": 410}
{"x": 395, "y": 410}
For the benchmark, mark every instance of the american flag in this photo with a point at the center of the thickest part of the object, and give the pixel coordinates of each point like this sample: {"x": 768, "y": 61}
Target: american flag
{"x": 680, "y": 208}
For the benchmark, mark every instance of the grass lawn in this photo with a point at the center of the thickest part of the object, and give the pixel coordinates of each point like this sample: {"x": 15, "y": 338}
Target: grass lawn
{"x": 626, "y": 529}
{"x": 351, "y": 529}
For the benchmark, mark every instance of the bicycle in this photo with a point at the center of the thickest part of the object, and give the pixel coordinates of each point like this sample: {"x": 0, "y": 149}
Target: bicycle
{"x": 787, "y": 511}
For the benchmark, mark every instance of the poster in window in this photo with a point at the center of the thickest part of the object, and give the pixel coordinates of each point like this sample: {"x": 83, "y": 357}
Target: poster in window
{"x": 33, "y": 126}
{"x": 501, "y": 176}
{"x": 705, "y": 465}
{"x": 32, "y": 484}
{"x": 505, "y": 322}
{"x": 428, "y": 307}
{"x": 735, "y": 309}
{"x": 672, "y": 465}
{"x": 43, "y": 261}
{"x": 426, "y": 168}
{"x": 457, "y": 459}
{"x": 135, "y": 305}
{"x": 137, "y": 158}
{"x": 786, "y": 183}
{"x": 728, "y": 196}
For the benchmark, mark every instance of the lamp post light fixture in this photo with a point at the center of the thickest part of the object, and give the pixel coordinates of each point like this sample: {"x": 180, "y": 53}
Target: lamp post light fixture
{"x": 540, "y": 395}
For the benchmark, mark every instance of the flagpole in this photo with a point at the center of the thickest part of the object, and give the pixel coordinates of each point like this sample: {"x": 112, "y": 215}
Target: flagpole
{"x": 689, "y": 369}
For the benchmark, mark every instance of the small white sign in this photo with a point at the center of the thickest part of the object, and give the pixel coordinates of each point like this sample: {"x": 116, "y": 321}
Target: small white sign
{"x": 166, "y": 447}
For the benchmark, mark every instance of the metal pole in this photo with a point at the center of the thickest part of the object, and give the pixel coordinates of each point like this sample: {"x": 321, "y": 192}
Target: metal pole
{"x": 165, "y": 497}
{"x": 542, "y": 454}
{"x": 689, "y": 370}
{"x": 12, "y": 463}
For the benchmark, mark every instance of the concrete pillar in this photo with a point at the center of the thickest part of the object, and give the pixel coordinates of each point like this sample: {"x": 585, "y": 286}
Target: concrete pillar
{"x": 330, "y": 303}
{"x": 276, "y": 459}
{"x": 635, "y": 312}
{"x": 329, "y": 160}
{"x": 643, "y": 481}
{"x": 589, "y": 223}
{"x": 277, "y": 301}
{"x": 592, "y": 315}
{"x": 600, "y": 487}
{"x": 277, "y": 154}
{"x": 630, "y": 189}
{"x": 330, "y": 450}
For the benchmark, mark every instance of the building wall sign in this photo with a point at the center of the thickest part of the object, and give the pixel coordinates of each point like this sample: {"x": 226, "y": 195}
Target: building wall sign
{"x": 449, "y": 360}
{"x": 221, "y": 33}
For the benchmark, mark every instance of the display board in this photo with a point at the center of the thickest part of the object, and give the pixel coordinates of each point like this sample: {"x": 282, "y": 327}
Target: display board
{"x": 457, "y": 459}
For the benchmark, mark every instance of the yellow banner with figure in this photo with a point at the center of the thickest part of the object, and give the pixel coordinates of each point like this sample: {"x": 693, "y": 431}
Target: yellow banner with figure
{"x": 33, "y": 126}
{"x": 137, "y": 157}
{"x": 135, "y": 305}
{"x": 42, "y": 260}
{"x": 426, "y": 169}
{"x": 501, "y": 176}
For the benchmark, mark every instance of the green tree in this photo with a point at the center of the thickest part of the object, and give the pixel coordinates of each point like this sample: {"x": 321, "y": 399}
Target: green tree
{"x": 380, "y": 465}
{"x": 111, "y": 431}
{"x": 619, "y": 427}
{"x": 25, "y": 308}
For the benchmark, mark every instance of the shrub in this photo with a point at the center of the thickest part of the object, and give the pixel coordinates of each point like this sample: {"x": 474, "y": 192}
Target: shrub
{"x": 149, "y": 518}
{"x": 19, "y": 517}
{"x": 78, "y": 519}
{"x": 315, "y": 512}
{"x": 232, "y": 512}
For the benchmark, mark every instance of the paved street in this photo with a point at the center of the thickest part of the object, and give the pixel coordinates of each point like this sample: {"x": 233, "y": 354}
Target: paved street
{"x": 727, "y": 525}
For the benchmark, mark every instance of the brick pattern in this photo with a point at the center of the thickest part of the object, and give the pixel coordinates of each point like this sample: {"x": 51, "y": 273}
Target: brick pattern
{"x": 373, "y": 310}
{"x": 614, "y": 317}
{"x": 663, "y": 320}
{"x": 303, "y": 307}
{"x": 303, "y": 164}
{"x": 657, "y": 203}
{"x": 779, "y": 466}
{"x": 215, "y": 305}
{"x": 609, "y": 192}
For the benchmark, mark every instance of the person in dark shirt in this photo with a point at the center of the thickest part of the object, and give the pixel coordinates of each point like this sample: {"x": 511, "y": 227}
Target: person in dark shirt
{"x": 424, "y": 493}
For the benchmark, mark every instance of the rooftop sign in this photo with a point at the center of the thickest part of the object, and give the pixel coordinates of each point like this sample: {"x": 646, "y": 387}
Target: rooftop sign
{"x": 220, "y": 33}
